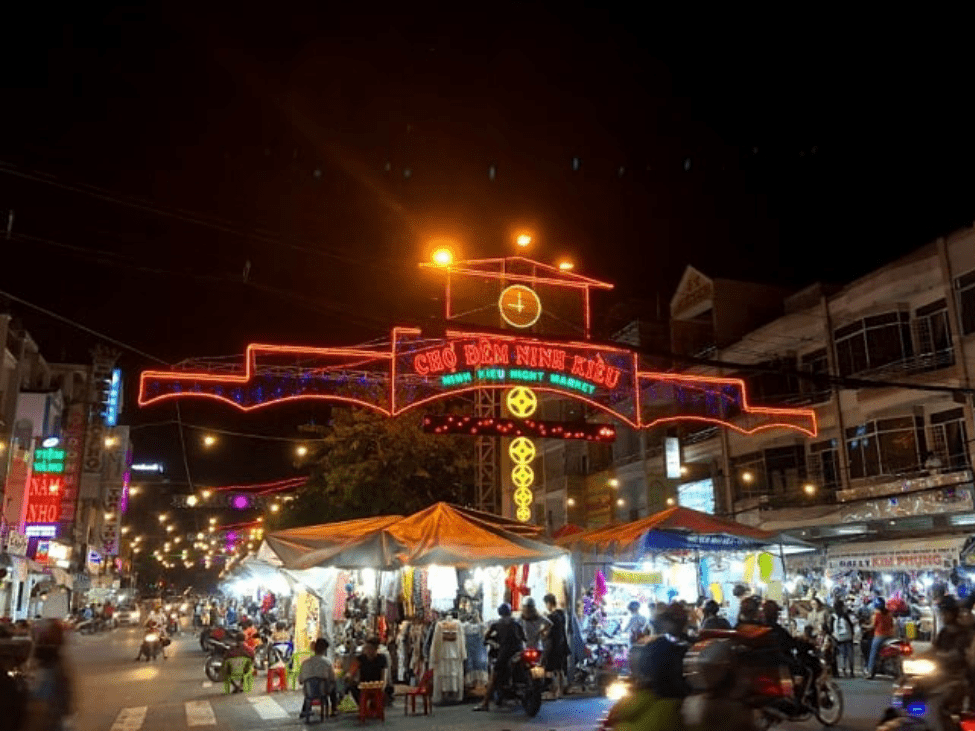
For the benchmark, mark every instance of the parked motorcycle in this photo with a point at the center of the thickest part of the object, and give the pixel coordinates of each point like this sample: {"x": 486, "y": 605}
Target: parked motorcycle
{"x": 923, "y": 690}
{"x": 212, "y": 633}
{"x": 891, "y": 656}
{"x": 213, "y": 666}
{"x": 525, "y": 680}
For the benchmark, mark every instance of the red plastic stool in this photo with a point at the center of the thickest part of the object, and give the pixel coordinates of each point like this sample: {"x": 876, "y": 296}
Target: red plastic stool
{"x": 282, "y": 679}
{"x": 372, "y": 704}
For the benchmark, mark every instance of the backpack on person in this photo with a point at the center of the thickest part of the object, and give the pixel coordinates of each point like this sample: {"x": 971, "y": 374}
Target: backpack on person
{"x": 842, "y": 628}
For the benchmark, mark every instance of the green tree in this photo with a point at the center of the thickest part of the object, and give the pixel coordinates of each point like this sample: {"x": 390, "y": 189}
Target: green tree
{"x": 368, "y": 464}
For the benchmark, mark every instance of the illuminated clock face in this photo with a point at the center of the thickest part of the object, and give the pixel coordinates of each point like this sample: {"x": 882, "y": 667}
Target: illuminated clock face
{"x": 520, "y": 306}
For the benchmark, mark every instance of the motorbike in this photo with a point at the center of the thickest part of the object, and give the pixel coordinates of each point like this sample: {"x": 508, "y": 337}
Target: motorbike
{"x": 525, "y": 679}
{"x": 213, "y": 666}
{"x": 212, "y": 633}
{"x": 152, "y": 645}
{"x": 923, "y": 690}
{"x": 891, "y": 657}
{"x": 172, "y": 623}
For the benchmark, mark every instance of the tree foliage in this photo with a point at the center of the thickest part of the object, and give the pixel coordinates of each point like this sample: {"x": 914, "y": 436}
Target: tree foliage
{"x": 372, "y": 465}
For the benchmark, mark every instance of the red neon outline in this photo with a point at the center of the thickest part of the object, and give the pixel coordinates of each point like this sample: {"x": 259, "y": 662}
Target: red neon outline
{"x": 391, "y": 355}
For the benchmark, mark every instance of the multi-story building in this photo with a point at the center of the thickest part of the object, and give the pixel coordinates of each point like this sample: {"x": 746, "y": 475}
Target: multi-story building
{"x": 60, "y": 504}
{"x": 888, "y": 364}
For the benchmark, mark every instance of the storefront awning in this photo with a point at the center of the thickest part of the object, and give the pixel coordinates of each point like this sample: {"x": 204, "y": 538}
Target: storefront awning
{"x": 928, "y": 554}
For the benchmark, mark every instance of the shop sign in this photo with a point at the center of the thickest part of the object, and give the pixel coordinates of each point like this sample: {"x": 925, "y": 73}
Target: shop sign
{"x": 94, "y": 562}
{"x": 41, "y": 555}
{"x": 49, "y": 460}
{"x": 934, "y": 555}
{"x": 112, "y": 402}
{"x": 73, "y": 438}
{"x": 17, "y": 544}
{"x": 44, "y": 499}
{"x": 697, "y": 496}
{"x": 672, "y": 457}
{"x": 622, "y": 576}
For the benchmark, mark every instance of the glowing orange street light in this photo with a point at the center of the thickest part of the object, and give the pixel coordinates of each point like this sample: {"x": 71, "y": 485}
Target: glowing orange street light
{"x": 443, "y": 257}
{"x": 566, "y": 266}
{"x": 523, "y": 239}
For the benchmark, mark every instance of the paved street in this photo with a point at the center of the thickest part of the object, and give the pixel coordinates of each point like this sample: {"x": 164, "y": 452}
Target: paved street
{"x": 118, "y": 694}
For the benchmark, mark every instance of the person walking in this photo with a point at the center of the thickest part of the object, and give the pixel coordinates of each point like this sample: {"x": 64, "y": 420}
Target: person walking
{"x": 842, "y": 630}
{"x": 882, "y": 625}
{"x": 556, "y": 645}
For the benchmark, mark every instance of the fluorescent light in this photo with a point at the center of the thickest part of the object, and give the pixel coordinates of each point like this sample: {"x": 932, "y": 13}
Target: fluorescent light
{"x": 963, "y": 519}
{"x": 850, "y": 530}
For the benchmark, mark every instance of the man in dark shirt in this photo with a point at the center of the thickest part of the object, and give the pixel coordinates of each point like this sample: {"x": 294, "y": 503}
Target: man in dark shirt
{"x": 370, "y": 667}
{"x": 662, "y": 661}
{"x": 509, "y": 637}
{"x": 713, "y": 620}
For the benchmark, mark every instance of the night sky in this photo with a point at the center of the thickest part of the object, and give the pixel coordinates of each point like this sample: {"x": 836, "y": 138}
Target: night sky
{"x": 152, "y": 156}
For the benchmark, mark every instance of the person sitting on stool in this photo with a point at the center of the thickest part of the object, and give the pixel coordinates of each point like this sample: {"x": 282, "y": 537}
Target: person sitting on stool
{"x": 369, "y": 667}
{"x": 318, "y": 668}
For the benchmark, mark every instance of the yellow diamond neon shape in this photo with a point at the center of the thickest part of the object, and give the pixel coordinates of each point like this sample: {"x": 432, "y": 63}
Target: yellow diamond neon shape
{"x": 522, "y": 402}
{"x": 523, "y": 496}
{"x": 522, "y": 475}
{"x": 521, "y": 450}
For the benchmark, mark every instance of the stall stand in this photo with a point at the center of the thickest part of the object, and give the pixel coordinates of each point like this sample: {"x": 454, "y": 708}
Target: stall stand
{"x": 428, "y": 586}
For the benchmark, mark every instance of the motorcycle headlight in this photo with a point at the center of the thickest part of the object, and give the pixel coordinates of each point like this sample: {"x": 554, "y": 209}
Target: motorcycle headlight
{"x": 918, "y": 667}
{"x": 617, "y": 690}
{"x": 152, "y": 638}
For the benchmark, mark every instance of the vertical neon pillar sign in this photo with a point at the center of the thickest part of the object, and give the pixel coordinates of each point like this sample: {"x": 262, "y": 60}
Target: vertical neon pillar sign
{"x": 522, "y": 403}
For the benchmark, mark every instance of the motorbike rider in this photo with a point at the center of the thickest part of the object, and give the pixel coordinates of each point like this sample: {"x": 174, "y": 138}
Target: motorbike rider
{"x": 749, "y": 613}
{"x": 950, "y": 646}
{"x": 509, "y": 637}
{"x": 719, "y": 706}
{"x": 789, "y": 647}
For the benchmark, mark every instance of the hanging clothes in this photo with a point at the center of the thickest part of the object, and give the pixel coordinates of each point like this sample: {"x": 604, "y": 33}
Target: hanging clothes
{"x": 476, "y": 662}
{"x": 408, "y": 607}
{"x": 516, "y": 585}
{"x": 442, "y": 581}
{"x": 447, "y": 660}
{"x": 493, "y": 588}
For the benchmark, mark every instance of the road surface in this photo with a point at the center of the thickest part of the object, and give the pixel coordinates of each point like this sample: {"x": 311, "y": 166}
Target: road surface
{"x": 118, "y": 694}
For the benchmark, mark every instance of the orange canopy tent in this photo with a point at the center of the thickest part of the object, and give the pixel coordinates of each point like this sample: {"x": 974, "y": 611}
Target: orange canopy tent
{"x": 288, "y": 547}
{"x": 442, "y": 534}
{"x": 673, "y": 528}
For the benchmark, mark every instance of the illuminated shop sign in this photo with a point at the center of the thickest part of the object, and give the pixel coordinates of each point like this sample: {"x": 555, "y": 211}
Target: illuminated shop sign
{"x": 112, "y": 400}
{"x": 44, "y": 499}
{"x": 49, "y": 460}
{"x": 42, "y": 531}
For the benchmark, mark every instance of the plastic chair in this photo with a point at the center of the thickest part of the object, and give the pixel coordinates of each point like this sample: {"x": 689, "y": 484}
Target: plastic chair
{"x": 277, "y": 679}
{"x": 425, "y": 691}
{"x": 372, "y": 701}
{"x": 238, "y": 675}
{"x": 294, "y": 667}
{"x": 316, "y": 694}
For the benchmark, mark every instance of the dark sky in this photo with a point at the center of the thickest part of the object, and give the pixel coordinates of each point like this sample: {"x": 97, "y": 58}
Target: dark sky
{"x": 149, "y": 154}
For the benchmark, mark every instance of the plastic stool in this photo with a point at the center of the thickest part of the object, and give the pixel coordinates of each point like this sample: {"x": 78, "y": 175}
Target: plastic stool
{"x": 372, "y": 704}
{"x": 280, "y": 675}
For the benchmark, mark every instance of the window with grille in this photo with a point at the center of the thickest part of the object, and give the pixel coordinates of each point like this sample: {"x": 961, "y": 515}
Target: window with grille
{"x": 815, "y": 363}
{"x": 824, "y": 465}
{"x": 885, "y": 447}
{"x": 873, "y": 342}
{"x": 949, "y": 439}
{"x": 966, "y": 302}
{"x": 932, "y": 336}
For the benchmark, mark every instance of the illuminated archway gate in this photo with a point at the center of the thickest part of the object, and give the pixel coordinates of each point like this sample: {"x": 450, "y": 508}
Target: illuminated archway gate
{"x": 412, "y": 368}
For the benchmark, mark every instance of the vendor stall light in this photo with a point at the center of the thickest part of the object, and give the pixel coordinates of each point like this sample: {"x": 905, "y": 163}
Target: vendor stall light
{"x": 369, "y": 578}
{"x": 670, "y": 501}
{"x": 192, "y": 500}
{"x": 206, "y": 494}
{"x": 621, "y": 502}
{"x": 887, "y": 578}
{"x": 809, "y": 488}
{"x": 927, "y": 581}
{"x": 613, "y": 482}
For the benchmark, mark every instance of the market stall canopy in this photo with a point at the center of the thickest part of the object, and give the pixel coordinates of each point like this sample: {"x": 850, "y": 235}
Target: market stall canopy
{"x": 442, "y": 534}
{"x": 306, "y": 546}
{"x": 676, "y": 528}
{"x": 568, "y": 529}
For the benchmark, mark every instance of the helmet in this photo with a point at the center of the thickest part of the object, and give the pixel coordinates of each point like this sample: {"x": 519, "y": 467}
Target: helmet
{"x": 879, "y": 603}
{"x": 708, "y": 664}
{"x": 504, "y": 610}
